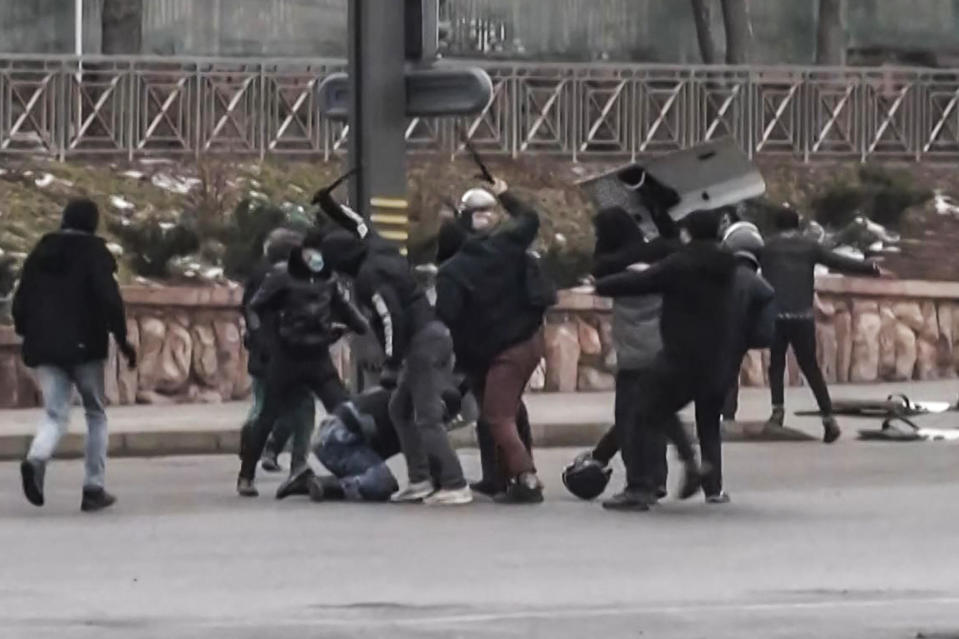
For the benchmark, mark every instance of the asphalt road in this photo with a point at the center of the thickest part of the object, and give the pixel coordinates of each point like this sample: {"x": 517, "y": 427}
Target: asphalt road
{"x": 851, "y": 541}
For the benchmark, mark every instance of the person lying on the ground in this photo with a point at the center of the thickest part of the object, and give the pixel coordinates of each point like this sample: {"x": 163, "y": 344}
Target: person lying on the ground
{"x": 354, "y": 443}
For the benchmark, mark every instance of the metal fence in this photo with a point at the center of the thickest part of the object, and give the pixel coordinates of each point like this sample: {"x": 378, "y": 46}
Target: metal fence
{"x": 63, "y": 107}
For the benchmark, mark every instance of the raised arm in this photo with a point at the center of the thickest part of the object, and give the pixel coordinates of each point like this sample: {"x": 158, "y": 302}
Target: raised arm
{"x": 845, "y": 264}
{"x": 637, "y": 252}
{"x": 343, "y": 215}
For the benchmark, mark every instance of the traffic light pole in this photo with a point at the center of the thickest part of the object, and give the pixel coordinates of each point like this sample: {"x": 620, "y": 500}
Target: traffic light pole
{"x": 378, "y": 115}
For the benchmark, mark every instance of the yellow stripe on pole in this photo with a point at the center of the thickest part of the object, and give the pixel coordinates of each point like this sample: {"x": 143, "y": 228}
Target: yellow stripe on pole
{"x": 389, "y": 203}
{"x": 396, "y": 236}
{"x": 383, "y": 218}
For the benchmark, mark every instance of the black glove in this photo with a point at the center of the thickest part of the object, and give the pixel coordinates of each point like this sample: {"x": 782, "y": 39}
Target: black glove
{"x": 389, "y": 378}
{"x": 130, "y": 354}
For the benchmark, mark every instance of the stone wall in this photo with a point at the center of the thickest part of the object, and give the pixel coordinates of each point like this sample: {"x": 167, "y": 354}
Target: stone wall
{"x": 190, "y": 343}
{"x": 190, "y": 347}
{"x": 867, "y": 331}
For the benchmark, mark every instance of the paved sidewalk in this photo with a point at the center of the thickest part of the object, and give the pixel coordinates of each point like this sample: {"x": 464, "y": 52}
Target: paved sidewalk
{"x": 558, "y": 420}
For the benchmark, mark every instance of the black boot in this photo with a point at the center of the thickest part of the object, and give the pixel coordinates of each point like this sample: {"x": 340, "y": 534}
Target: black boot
{"x": 525, "y": 489}
{"x": 246, "y": 488}
{"x": 32, "y": 472}
{"x": 297, "y": 484}
{"x": 629, "y": 499}
{"x": 692, "y": 480}
{"x": 831, "y": 430}
{"x": 270, "y": 461}
{"x": 486, "y": 487}
{"x": 95, "y": 499}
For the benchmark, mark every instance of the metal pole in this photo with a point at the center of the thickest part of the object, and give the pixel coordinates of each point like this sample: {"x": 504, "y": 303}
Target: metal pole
{"x": 78, "y": 28}
{"x": 378, "y": 115}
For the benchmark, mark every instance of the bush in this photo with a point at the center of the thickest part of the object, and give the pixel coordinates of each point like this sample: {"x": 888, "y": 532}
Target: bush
{"x": 881, "y": 195}
{"x": 152, "y": 243}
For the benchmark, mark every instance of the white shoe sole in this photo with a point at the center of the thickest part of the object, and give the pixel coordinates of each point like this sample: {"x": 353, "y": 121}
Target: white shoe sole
{"x": 444, "y": 500}
{"x": 411, "y": 498}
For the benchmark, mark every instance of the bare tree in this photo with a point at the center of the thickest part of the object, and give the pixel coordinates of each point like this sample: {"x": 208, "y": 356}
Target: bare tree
{"x": 122, "y": 23}
{"x": 831, "y": 34}
{"x": 702, "y": 15}
{"x": 738, "y": 31}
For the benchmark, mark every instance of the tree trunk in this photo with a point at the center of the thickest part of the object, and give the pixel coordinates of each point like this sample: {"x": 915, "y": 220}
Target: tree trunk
{"x": 831, "y": 34}
{"x": 122, "y": 27}
{"x": 738, "y": 31}
{"x": 702, "y": 15}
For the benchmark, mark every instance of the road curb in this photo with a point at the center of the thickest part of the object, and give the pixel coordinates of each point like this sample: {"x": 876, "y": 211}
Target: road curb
{"x": 221, "y": 442}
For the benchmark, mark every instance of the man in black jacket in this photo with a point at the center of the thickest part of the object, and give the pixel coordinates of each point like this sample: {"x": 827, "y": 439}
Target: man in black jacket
{"x": 67, "y": 305}
{"x": 452, "y": 235}
{"x": 698, "y": 327}
{"x": 788, "y": 263}
{"x": 418, "y": 348}
{"x": 300, "y": 304}
{"x": 484, "y": 295}
{"x": 301, "y": 413}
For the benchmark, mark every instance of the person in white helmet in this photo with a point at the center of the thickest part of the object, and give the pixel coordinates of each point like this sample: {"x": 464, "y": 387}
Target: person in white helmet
{"x": 493, "y": 297}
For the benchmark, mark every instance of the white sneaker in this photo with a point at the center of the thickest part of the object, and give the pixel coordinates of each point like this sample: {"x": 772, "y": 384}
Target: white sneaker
{"x": 450, "y": 497}
{"x": 413, "y": 493}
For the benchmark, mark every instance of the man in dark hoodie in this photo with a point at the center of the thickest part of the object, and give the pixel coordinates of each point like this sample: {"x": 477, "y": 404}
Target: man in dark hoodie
{"x": 788, "y": 262}
{"x": 67, "y": 305}
{"x": 418, "y": 348}
{"x": 696, "y": 326}
{"x": 301, "y": 413}
{"x": 300, "y": 304}
{"x": 486, "y": 295}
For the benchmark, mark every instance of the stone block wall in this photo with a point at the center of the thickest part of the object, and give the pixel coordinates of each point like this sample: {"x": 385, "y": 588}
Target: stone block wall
{"x": 190, "y": 347}
{"x": 866, "y": 331}
{"x": 190, "y": 343}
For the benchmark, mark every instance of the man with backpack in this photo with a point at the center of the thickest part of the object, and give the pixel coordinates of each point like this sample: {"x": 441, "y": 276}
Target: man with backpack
{"x": 493, "y": 297}
{"x": 301, "y": 303}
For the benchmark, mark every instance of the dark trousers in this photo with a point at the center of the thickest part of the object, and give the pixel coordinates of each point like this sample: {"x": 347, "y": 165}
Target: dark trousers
{"x": 731, "y": 403}
{"x": 297, "y": 422}
{"x": 801, "y": 335}
{"x": 643, "y": 448}
{"x": 709, "y": 432}
{"x": 286, "y": 377}
{"x": 608, "y": 445}
{"x": 490, "y": 465}
{"x": 417, "y": 407}
{"x": 500, "y": 392}
{"x": 666, "y": 387}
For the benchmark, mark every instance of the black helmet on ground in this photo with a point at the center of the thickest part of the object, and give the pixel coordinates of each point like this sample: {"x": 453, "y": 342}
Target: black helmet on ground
{"x": 586, "y": 478}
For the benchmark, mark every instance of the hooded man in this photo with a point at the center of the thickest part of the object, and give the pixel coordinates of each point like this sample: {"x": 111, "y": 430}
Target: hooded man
{"x": 300, "y": 414}
{"x": 788, "y": 262}
{"x": 66, "y": 307}
{"x": 697, "y": 327}
{"x": 300, "y": 303}
{"x": 490, "y": 295}
{"x": 418, "y": 348}
{"x": 620, "y": 245}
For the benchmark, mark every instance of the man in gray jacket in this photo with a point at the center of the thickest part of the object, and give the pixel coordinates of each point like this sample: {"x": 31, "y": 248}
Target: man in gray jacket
{"x": 620, "y": 245}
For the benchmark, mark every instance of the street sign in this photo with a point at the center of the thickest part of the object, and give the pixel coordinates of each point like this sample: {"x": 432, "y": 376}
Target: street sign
{"x": 429, "y": 93}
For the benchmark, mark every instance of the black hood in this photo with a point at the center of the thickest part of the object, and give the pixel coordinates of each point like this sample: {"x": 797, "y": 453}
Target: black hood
{"x": 450, "y": 239}
{"x": 344, "y": 252}
{"x": 61, "y": 251}
{"x": 615, "y": 228}
{"x": 81, "y": 215}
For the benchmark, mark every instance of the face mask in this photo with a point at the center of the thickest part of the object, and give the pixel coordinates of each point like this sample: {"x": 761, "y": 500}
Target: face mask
{"x": 483, "y": 220}
{"x": 314, "y": 260}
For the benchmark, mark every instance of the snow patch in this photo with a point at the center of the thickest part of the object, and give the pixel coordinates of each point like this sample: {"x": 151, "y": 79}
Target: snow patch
{"x": 118, "y": 202}
{"x": 179, "y": 185}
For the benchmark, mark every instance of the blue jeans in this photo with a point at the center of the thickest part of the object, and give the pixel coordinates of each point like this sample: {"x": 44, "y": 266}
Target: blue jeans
{"x": 363, "y": 474}
{"x": 57, "y": 385}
